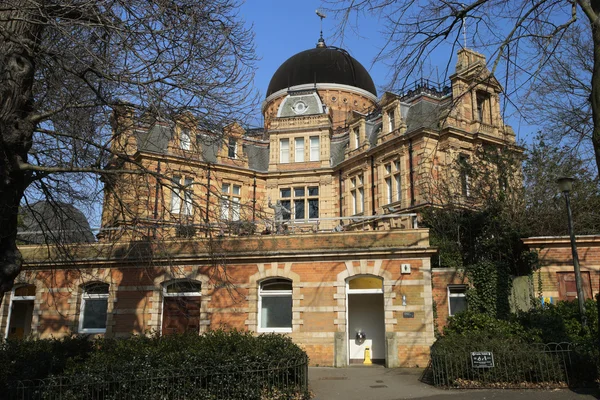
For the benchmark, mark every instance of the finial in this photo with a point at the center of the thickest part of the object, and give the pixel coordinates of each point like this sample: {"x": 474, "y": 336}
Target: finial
{"x": 321, "y": 15}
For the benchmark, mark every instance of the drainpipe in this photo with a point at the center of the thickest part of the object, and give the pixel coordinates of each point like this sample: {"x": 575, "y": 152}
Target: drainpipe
{"x": 254, "y": 200}
{"x": 156, "y": 189}
{"x": 411, "y": 172}
{"x": 372, "y": 185}
{"x": 207, "y": 201}
{"x": 340, "y": 196}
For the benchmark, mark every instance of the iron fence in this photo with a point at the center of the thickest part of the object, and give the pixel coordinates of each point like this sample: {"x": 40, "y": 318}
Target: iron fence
{"x": 523, "y": 366}
{"x": 285, "y": 379}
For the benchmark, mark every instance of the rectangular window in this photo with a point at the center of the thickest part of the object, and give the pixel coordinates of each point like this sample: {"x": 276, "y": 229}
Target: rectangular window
{"x": 305, "y": 202}
{"x": 457, "y": 300}
{"x": 284, "y": 151}
{"x": 232, "y": 148}
{"x": 356, "y": 138}
{"x": 392, "y": 120}
{"x": 275, "y": 306}
{"x": 185, "y": 140}
{"x": 181, "y": 198}
{"x": 230, "y": 201}
{"x": 567, "y": 288}
{"x": 397, "y": 180}
{"x": 175, "y": 195}
{"x": 286, "y": 194}
{"x": 299, "y": 150}
{"x": 482, "y": 114}
{"x": 388, "y": 190}
{"x": 357, "y": 194}
{"x": 314, "y": 148}
{"x": 392, "y": 182}
{"x": 94, "y": 308}
{"x": 187, "y": 197}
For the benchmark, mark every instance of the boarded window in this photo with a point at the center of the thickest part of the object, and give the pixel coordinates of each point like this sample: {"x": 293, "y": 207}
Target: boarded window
{"x": 181, "y": 307}
{"x": 567, "y": 288}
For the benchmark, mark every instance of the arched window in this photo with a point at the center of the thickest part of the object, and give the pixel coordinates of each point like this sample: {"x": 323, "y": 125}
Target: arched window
{"x": 275, "y": 306}
{"x": 20, "y": 313}
{"x": 181, "y": 307}
{"x": 93, "y": 310}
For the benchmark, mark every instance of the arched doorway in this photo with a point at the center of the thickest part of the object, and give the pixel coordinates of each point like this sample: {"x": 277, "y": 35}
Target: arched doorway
{"x": 365, "y": 318}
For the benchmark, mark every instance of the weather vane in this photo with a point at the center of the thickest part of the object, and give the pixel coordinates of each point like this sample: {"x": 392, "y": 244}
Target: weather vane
{"x": 321, "y": 15}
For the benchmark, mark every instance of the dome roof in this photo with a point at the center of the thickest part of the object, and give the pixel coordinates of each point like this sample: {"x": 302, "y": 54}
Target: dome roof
{"x": 321, "y": 65}
{"x": 53, "y": 222}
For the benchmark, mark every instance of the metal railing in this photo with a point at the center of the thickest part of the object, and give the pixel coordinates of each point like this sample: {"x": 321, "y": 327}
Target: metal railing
{"x": 285, "y": 379}
{"x": 533, "y": 366}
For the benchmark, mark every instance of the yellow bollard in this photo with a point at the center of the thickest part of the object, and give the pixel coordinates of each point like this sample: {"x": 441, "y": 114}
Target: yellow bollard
{"x": 367, "y": 356}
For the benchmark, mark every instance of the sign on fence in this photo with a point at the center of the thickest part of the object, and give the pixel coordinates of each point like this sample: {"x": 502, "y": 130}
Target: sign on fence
{"x": 482, "y": 359}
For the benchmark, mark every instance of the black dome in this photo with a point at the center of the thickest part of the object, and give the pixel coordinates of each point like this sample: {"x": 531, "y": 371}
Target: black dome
{"x": 321, "y": 65}
{"x": 53, "y": 222}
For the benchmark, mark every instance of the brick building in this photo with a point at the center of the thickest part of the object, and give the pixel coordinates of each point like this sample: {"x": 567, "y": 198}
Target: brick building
{"x": 306, "y": 226}
{"x": 555, "y": 279}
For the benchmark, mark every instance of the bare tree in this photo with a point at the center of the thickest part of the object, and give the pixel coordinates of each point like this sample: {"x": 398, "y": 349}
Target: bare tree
{"x": 523, "y": 37}
{"x": 66, "y": 66}
{"x": 559, "y": 98}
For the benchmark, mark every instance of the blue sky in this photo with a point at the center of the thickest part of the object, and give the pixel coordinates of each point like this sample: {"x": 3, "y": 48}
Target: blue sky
{"x": 284, "y": 28}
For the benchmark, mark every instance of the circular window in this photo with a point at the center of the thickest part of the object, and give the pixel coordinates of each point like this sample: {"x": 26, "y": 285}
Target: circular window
{"x": 334, "y": 99}
{"x": 300, "y": 107}
{"x": 345, "y": 100}
{"x": 355, "y": 103}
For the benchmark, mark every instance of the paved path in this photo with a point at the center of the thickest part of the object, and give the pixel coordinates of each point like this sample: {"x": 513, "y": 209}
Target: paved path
{"x": 378, "y": 383}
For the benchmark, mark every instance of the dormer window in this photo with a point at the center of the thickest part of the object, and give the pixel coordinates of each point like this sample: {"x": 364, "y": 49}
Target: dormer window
{"x": 299, "y": 107}
{"x": 356, "y": 138}
{"x": 392, "y": 120}
{"x": 483, "y": 108}
{"x": 232, "y": 148}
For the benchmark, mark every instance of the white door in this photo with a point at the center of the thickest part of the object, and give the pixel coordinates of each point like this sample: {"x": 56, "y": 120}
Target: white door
{"x": 366, "y": 315}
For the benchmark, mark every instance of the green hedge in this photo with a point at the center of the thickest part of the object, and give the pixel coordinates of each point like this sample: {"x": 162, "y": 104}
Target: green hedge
{"x": 212, "y": 365}
{"x": 516, "y": 343}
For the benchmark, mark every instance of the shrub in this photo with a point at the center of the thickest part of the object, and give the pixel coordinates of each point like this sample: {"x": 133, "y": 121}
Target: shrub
{"x": 516, "y": 361}
{"x": 177, "y": 366}
{"x": 485, "y": 325}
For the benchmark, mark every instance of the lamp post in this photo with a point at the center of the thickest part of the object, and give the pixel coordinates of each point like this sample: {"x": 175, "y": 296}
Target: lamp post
{"x": 566, "y": 185}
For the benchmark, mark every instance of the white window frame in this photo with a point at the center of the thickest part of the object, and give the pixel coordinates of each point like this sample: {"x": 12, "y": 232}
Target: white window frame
{"x": 315, "y": 148}
{"x": 391, "y": 120}
{"x": 231, "y": 195}
{"x": 90, "y": 296}
{"x": 357, "y": 193}
{"x": 273, "y": 293}
{"x": 299, "y": 149}
{"x": 188, "y": 208}
{"x": 388, "y": 190}
{"x": 463, "y": 295}
{"x": 356, "y": 138}
{"x": 182, "y": 203}
{"x": 398, "y": 179}
{"x": 284, "y": 151}
{"x": 306, "y": 199}
{"x": 14, "y": 298}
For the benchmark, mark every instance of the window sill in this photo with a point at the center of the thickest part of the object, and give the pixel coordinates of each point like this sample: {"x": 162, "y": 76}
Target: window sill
{"x": 92, "y": 331}
{"x": 274, "y": 330}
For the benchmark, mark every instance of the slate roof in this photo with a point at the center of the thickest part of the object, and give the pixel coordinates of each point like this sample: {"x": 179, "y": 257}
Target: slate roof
{"x": 53, "y": 222}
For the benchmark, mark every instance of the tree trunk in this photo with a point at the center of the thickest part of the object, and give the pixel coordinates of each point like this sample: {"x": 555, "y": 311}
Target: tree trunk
{"x": 595, "y": 95}
{"x": 21, "y": 32}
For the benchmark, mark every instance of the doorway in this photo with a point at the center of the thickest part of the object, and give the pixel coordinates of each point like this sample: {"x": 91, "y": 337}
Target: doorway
{"x": 366, "y": 319}
{"x": 20, "y": 314}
